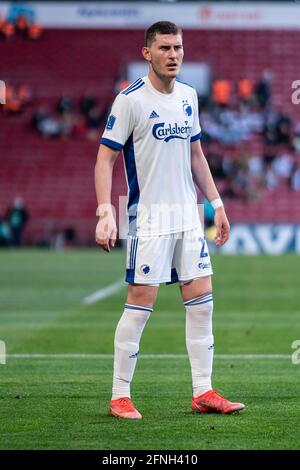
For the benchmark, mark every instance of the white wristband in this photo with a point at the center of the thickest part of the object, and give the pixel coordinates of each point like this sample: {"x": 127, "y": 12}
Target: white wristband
{"x": 104, "y": 209}
{"x": 217, "y": 203}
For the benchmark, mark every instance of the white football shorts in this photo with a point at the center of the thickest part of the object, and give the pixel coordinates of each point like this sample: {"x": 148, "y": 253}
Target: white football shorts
{"x": 169, "y": 258}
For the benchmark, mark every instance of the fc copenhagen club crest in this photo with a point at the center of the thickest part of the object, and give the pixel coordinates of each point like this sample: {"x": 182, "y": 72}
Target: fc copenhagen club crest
{"x": 188, "y": 111}
{"x": 145, "y": 269}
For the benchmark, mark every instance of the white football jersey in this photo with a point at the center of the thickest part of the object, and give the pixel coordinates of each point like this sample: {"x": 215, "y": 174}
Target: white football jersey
{"x": 155, "y": 131}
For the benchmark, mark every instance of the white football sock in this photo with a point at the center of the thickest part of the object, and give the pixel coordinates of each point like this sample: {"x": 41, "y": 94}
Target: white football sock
{"x": 200, "y": 341}
{"x": 127, "y": 338}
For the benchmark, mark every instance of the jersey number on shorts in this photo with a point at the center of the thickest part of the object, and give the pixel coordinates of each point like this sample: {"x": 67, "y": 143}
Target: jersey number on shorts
{"x": 203, "y": 253}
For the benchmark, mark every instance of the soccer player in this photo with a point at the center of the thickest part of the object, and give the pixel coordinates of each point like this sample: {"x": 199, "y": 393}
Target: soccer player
{"x": 155, "y": 122}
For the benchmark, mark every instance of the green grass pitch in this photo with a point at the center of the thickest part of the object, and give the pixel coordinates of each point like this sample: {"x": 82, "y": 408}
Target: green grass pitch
{"x": 55, "y": 403}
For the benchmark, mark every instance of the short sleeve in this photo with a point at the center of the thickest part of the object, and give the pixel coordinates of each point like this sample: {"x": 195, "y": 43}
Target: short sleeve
{"x": 196, "y": 131}
{"x": 119, "y": 124}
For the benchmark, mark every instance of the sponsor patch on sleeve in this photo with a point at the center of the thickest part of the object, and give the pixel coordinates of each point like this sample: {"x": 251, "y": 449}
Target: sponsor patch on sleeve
{"x": 111, "y": 122}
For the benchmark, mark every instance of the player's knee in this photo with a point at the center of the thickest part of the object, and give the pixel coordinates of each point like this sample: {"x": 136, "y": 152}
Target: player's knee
{"x": 196, "y": 287}
{"x": 142, "y": 295}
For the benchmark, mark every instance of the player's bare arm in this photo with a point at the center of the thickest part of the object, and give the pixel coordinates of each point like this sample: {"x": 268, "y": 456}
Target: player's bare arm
{"x": 204, "y": 180}
{"x": 106, "y": 229}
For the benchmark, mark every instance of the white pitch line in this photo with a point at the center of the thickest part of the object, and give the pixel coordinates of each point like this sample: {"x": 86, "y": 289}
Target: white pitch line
{"x": 149, "y": 356}
{"x": 104, "y": 293}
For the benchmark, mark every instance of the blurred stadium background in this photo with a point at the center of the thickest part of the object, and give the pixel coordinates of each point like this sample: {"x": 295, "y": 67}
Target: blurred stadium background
{"x": 242, "y": 59}
{"x": 61, "y": 66}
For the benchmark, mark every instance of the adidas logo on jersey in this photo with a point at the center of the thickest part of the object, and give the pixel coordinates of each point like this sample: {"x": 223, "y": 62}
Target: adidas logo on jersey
{"x": 153, "y": 115}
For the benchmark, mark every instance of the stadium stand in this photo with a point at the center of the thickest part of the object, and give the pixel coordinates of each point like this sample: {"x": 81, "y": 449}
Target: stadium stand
{"x": 55, "y": 177}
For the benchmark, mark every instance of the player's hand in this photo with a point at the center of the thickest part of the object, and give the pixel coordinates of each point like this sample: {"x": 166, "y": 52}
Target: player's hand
{"x": 222, "y": 226}
{"x": 106, "y": 231}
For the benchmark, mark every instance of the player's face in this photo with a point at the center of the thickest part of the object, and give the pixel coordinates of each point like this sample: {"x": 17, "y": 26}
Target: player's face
{"x": 165, "y": 55}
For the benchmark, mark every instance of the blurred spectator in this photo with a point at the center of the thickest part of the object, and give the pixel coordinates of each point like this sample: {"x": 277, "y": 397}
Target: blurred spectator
{"x": 9, "y": 92}
{"x": 22, "y": 24}
{"x": 71, "y": 123}
{"x": 270, "y": 135}
{"x": 251, "y": 119}
{"x": 57, "y": 240}
{"x": 46, "y": 124}
{"x": 270, "y": 122}
{"x": 215, "y": 161}
{"x": 5, "y": 233}
{"x": 242, "y": 181}
{"x": 24, "y": 94}
{"x": 283, "y": 165}
{"x": 209, "y": 214}
{"x": 283, "y": 128}
{"x": 256, "y": 176}
{"x": 210, "y": 127}
{"x": 13, "y": 103}
{"x": 234, "y": 128}
{"x": 7, "y": 30}
{"x": 65, "y": 104}
{"x": 121, "y": 85}
{"x": 278, "y": 126}
{"x": 87, "y": 103}
{"x": 263, "y": 89}
{"x": 50, "y": 127}
{"x": 231, "y": 124}
{"x": 79, "y": 127}
{"x": 17, "y": 217}
{"x": 2, "y": 23}
{"x": 271, "y": 179}
{"x": 255, "y": 166}
{"x": 63, "y": 239}
{"x": 17, "y": 98}
{"x": 295, "y": 178}
{"x": 221, "y": 92}
{"x": 296, "y": 139}
{"x": 270, "y": 153}
{"x": 94, "y": 120}
{"x": 244, "y": 178}
{"x": 245, "y": 90}
{"x": 20, "y": 21}
{"x": 34, "y": 31}
{"x": 66, "y": 124}
{"x": 70, "y": 237}
{"x": 41, "y": 114}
